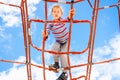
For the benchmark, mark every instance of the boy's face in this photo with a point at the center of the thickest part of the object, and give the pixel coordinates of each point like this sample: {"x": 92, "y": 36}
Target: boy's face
{"x": 57, "y": 13}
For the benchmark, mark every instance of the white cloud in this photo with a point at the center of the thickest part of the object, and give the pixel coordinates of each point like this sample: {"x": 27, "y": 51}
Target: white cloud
{"x": 32, "y": 7}
{"x": 15, "y": 2}
{"x": 105, "y": 50}
{"x": 11, "y": 16}
{"x": 111, "y": 70}
{"x": 115, "y": 45}
{"x": 106, "y": 77}
{"x": 14, "y": 74}
{"x": 18, "y": 72}
{"x": 11, "y": 20}
{"x": 111, "y": 49}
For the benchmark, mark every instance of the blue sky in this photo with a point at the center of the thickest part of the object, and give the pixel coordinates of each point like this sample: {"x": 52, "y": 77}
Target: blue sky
{"x": 106, "y": 43}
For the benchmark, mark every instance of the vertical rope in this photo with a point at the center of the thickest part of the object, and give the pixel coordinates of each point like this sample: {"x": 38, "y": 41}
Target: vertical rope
{"x": 24, "y": 14}
{"x": 43, "y": 41}
{"x": 29, "y": 56}
{"x": 24, "y": 34}
{"x": 118, "y": 14}
{"x": 69, "y": 40}
{"x": 90, "y": 54}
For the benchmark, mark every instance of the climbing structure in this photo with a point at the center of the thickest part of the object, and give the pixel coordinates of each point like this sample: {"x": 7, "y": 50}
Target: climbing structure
{"x": 26, "y": 25}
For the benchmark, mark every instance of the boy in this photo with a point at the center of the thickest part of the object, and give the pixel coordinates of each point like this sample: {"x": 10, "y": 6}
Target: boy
{"x": 61, "y": 35}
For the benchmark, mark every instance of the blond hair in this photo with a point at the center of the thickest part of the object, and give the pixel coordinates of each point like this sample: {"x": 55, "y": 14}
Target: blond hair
{"x": 57, "y": 6}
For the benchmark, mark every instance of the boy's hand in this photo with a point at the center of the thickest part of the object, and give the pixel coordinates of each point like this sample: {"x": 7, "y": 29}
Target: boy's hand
{"x": 44, "y": 34}
{"x": 71, "y": 13}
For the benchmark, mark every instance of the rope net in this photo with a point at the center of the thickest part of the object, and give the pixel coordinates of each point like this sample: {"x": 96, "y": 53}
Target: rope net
{"x": 26, "y": 25}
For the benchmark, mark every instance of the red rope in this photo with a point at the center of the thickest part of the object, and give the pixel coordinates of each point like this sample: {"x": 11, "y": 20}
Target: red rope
{"x": 75, "y": 66}
{"x": 63, "y": 21}
{"x": 66, "y": 2}
{"x": 24, "y": 14}
{"x": 10, "y": 4}
{"x": 89, "y": 48}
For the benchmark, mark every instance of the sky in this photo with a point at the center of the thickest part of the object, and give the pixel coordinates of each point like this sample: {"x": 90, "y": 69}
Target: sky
{"x": 107, "y": 40}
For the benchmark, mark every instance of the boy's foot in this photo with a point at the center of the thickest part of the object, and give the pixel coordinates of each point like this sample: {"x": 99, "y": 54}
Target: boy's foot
{"x": 54, "y": 67}
{"x": 63, "y": 76}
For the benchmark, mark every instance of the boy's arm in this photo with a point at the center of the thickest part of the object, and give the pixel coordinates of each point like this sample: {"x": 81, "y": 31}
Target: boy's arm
{"x": 45, "y": 34}
{"x": 71, "y": 14}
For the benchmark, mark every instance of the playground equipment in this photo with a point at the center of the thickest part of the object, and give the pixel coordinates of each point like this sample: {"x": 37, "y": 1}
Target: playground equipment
{"x": 90, "y": 47}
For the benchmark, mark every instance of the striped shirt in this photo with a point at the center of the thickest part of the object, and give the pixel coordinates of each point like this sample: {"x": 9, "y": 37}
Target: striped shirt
{"x": 59, "y": 31}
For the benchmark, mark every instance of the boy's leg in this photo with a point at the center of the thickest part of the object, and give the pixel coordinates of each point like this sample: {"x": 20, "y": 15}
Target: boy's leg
{"x": 56, "y": 47}
{"x": 64, "y": 62}
{"x": 63, "y": 57}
